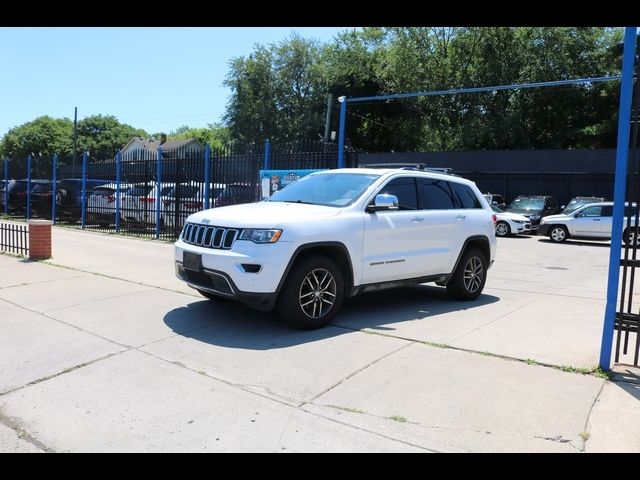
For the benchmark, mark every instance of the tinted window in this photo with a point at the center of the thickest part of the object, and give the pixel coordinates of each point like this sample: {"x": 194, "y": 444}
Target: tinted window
{"x": 465, "y": 196}
{"x": 435, "y": 194}
{"x": 405, "y": 189}
{"x": 141, "y": 190}
{"x": 607, "y": 211}
{"x": 104, "y": 191}
{"x": 591, "y": 212}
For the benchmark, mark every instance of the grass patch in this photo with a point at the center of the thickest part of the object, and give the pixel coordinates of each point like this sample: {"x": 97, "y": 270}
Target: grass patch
{"x": 595, "y": 371}
{"x": 530, "y": 361}
{"x": 398, "y": 418}
{"x": 347, "y": 409}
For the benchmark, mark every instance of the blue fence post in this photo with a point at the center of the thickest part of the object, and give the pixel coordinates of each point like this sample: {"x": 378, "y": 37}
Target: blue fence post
{"x": 267, "y": 155}
{"x": 85, "y": 158}
{"x": 622, "y": 152}
{"x": 54, "y": 179}
{"x": 159, "y": 190}
{"x": 207, "y": 174}
{"x": 343, "y": 118}
{"x": 6, "y": 186}
{"x": 118, "y": 166}
{"x": 28, "y": 206}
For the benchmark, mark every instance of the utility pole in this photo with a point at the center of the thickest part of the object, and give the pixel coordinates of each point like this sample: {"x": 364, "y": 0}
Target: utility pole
{"x": 75, "y": 141}
{"x": 328, "y": 119}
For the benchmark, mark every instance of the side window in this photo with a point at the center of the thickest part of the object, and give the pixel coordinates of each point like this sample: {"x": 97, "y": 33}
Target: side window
{"x": 592, "y": 212}
{"x": 551, "y": 202}
{"x": 607, "y": 211}
{"x": 405, "y": 189}
{"x": 465, "y": 196}
{"x": 435, "y": 194}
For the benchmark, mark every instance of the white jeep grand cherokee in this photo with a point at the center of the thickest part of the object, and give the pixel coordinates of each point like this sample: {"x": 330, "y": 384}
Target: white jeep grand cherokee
{"x": 337, "y": 233}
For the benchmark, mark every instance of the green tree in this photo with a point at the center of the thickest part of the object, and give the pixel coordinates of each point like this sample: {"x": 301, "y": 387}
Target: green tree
{"x": 215, "y": 135}
{"x": 104, "y": 135}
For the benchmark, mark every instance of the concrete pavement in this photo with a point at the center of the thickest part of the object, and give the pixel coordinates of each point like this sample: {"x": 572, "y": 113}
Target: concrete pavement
{"x": 112, "y": 353}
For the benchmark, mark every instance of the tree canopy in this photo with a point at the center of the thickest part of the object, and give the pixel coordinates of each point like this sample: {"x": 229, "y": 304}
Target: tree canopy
{"x": 280, "y": 90}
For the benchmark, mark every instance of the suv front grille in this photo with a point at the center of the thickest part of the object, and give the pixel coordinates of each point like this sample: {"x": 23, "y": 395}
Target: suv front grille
{"x": 209, "y": 237}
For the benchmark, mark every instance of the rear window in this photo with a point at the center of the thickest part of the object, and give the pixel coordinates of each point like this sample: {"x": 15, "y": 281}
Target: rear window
{"x": 184, "y": 191}
{"x": 465, "y": 196}
{"x": 435, "y": 194}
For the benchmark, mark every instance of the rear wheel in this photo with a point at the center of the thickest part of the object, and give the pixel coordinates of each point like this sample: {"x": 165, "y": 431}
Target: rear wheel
{"x": 312, "y": 294}
{"x": 558, "y": 233}
{"x": 470, "y": 276}
{"x": 631, "y": 236}
{"x": 503, "y": 229}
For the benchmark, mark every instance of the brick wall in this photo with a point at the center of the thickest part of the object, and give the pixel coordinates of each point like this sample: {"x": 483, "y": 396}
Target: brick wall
{"x": 40, "y": 239}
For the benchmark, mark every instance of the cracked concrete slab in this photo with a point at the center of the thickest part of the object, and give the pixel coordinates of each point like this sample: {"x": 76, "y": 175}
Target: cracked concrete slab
{"x": 136, "y": 319}
{"x": 464, "y": 401}
{"x": 14, "y": 271}
{"x": 34, "y": 347}
{"x": 171, "y": 409}
{"x": 85, "y": 289}
{"x": 10, "y": 442}
{"x": 257, "y": 351}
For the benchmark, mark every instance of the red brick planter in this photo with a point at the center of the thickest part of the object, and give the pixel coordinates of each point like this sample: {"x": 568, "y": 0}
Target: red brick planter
{"x": 39, "y": 239}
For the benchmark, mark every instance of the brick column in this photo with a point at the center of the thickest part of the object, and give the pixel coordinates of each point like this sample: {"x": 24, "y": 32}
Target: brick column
{"x": 39, "y": 239}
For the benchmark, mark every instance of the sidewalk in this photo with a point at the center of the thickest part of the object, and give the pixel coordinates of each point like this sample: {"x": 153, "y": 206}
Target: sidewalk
{"x": 113, "y": 353}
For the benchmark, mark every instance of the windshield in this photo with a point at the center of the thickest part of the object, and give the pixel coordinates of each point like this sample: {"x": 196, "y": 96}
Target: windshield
{"x": 330, "y": 189}
{"x": 577, "y": 203}
{"x": 528, "y": 203}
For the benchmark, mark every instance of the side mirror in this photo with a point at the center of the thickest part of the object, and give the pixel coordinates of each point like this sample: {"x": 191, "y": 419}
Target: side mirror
{"x": 384, "y": 201}
{"x": 562, "y": 207}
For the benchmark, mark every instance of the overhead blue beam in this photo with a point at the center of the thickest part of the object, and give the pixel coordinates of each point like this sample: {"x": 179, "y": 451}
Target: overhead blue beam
{"x": 514, "y": 86}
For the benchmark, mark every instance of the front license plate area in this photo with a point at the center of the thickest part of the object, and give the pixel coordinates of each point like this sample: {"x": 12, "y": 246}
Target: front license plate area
{"x": 192, "y": 261}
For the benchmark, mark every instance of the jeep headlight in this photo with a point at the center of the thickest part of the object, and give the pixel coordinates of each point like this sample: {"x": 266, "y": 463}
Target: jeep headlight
{"x": 534, "y": 217}
{"x": 261, "y": 236}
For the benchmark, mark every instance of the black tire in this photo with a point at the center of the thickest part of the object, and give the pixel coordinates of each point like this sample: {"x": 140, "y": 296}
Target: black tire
{"x": 312, "y": 294}
{"x": 558, "y": 233}
{"x": 628, "y": 236}
{"x": 503, "y": 229}
{"x": 469, "y": 277}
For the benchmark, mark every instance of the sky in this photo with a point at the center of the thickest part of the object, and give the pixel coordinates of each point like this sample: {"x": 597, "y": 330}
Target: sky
{"x": 153, "y": 78}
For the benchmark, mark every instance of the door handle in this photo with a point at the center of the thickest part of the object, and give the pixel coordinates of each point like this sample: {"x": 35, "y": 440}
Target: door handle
{"x": 460, "y": 217}
{"x": 417, "y": 219}
{"x": 596, "y": 219}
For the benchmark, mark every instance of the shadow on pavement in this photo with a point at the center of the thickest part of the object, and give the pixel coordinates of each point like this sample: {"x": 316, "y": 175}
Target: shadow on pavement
{"x": 579, "y": 243}
{"x": 232, "y": 325}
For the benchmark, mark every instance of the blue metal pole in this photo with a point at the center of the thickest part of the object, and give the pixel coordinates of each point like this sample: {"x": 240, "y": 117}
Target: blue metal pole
{"x": 118, "y": 171}
{"x": 6, "y": 186}
{"x": 622, "y": 152}
{"x": 343, "y": 117}
{"x": 54, "y": 180}
{"x": 207, "y": 175}
{"x": 28, "y": 187}
{"x": 267, "y": 155}
{"x": 85, "y": 158}
{"x": 158, "y": 191}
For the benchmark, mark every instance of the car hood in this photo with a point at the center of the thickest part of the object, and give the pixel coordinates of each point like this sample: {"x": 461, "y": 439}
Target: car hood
{"x": 262, "y": 214}
{"x": 559, "y": 217}
{"x": 524, "y": 211}
{"x": 511, "y": 216}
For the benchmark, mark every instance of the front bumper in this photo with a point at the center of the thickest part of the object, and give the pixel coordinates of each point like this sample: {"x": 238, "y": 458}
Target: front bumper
{"x": 220, "y": 284}
{"x": 543, "y": 229}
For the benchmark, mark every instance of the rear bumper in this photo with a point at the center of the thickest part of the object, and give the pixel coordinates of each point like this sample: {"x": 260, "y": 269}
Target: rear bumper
{"x": 220, "y": 284}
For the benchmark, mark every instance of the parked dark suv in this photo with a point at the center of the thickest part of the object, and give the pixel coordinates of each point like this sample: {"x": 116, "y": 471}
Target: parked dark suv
{"x": 17, "y": 196}
{"x": 534, "y": 207}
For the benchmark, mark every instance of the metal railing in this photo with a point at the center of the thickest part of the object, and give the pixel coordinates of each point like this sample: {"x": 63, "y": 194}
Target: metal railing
{"x": 14, "y": 238}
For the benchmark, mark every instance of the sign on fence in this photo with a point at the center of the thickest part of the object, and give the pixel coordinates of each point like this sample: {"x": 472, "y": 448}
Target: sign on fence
{"x": 273, "y": 180}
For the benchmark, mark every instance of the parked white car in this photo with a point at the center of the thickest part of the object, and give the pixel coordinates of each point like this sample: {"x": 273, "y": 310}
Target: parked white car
{"x": 593, "y": 220}
{"x": 190, "y": 199}
{"x": 101, "y": 203}
{"x": 510, "y": 223}
{"x": 336, "y": 233}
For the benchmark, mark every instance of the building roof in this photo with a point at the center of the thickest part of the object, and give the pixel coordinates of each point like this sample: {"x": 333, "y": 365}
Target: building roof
{"x": 149, "y": 144}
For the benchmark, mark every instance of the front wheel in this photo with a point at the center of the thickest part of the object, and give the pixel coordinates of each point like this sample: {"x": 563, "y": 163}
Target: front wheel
{"x": 558, "y": 234}
{"x": 503, "y": 229}
{"x": 469, "y": 277}
{"x": 312, "y": 294}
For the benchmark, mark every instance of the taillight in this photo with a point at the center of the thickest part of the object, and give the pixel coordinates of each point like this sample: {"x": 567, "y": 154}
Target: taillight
{"x": 495, "y": 219}
{"x": 147, "y": 200}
